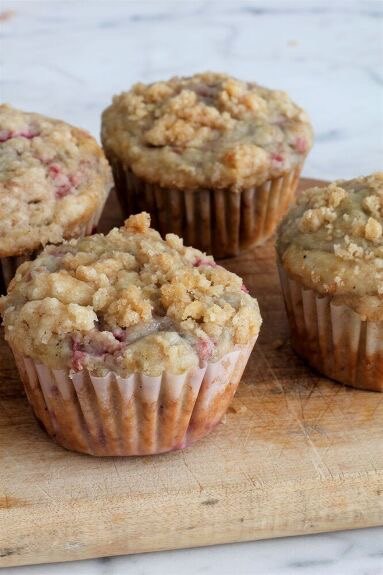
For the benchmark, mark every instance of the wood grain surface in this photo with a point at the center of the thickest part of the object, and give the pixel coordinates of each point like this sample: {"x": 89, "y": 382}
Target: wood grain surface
{"x": 296, "y": 453}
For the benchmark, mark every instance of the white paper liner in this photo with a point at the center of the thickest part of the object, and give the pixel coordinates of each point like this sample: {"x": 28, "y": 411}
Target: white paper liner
{"x": 333, "y": 338}
{"x": 9, "y": 265}
{"x": 137, "y": 415}
{"x": 221, "y": 222}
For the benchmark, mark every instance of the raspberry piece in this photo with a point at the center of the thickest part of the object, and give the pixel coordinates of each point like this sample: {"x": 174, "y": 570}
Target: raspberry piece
{"x": 300, "y": 145}
{"x": 205, "y": 91}
{"x": 278, "y": 158}
{"x": 204, "y": 262}
{"x": 5, "y": 135}
{"x": 29, "y": 133}
{"x": 205, "y": 348}
{"x": 54, "y": 170}
{"x": 78, "y": 355}
{"x": 63, "y": 191}
{"x": 61, "y": 181}
{"x": 119, "y": 334}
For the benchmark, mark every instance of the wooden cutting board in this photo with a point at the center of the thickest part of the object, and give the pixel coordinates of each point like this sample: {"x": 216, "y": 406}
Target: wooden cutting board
{"x": 295, "y": 454}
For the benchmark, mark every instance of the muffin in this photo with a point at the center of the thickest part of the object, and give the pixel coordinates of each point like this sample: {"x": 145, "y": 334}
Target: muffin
{"x": 54, "y": 180}
{"x": 212, "y": 158}
{"x": 330, "y": 252}
{"x": 128, "y": 344}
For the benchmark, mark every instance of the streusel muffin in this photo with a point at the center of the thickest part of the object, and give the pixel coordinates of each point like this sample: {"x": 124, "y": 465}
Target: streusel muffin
{"x": 330, "y": 251}
{"x": 128, "y": 344}
{"x": 54, "y": 180}
{"x": 212, "y": 158}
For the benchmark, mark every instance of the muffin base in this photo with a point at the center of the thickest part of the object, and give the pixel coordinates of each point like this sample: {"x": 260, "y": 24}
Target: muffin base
{"x": 9, "y": 265}
{"x": 137, "y": 415}
{"x": 334, "y": 339}
{"x": 221, "y": 222}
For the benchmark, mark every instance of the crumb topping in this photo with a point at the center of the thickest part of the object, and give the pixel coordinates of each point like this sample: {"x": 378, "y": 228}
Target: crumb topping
{"x": 128, "y": 301}
{"x": 332, "y": 241}
{"x": 53, "y": 177}
{"x": 206, "y": 130}
{"x": 373, "y": 230}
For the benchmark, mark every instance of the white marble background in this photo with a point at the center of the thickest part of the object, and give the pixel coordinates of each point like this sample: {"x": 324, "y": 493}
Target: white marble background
{"x": 67, "y": 59}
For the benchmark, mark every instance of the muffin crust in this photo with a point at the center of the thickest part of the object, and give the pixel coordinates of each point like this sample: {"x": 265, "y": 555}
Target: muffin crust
{"x": 208, "y": 130}
{"x": 53, "y": 178}
{"x": 127, "y": 302}
{"x": 332, "y": 242}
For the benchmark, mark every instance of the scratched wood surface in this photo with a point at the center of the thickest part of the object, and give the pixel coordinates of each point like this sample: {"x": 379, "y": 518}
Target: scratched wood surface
{"x": 295, "y": 454}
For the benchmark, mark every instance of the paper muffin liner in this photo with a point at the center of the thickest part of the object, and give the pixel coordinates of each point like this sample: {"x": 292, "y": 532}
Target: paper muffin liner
{"x": 9, "y": 265}
{"x": 137, "y": 415}
{"x": 221, "y": 222}
{"x": 334, "y": 339}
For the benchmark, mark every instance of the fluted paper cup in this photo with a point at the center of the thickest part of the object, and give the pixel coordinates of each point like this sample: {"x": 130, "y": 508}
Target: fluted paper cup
{"x": 137, "y": 415}
{"x": 221, "y": 222}
{"x": 333, "y": 338}
{"x": 9, "y": 265}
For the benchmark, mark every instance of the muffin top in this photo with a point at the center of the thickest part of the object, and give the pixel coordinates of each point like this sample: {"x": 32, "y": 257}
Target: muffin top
{"x": 332, "y": 242}
{"x": 128, "y": 302}
{"x": 53, "y": 177}
{"x": 209, "y": 130}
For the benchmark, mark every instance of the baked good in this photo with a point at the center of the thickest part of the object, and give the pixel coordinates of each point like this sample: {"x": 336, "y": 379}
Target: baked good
{"x": 54, "y": 180}
{"x": 330, "y": 251}
{"x": 128, "y": 344}
{"x": 212, "y": 158}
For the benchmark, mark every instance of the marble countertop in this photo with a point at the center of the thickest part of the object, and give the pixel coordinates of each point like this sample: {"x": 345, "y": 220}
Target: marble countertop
{"x": 67, "y": 59}
{"x": 357, "y": 552}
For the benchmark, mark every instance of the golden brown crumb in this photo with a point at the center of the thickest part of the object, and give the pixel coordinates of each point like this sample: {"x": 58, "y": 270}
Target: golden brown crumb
{"x": 128, "y": 301}
{"x": 332, "y": 241}
{"x": 206, "y": 130}
{"x": 373, "y": 230}
{"x": 313, "y": 219}
{"x": 53, "y": 179}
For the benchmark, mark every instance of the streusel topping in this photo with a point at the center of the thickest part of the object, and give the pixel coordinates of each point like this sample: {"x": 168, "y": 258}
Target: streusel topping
{"x": 128, "y": 301}
{"x": 332, "y": 242}
{"x": 53, "y": 177}
{"x": 209, "y": 130}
